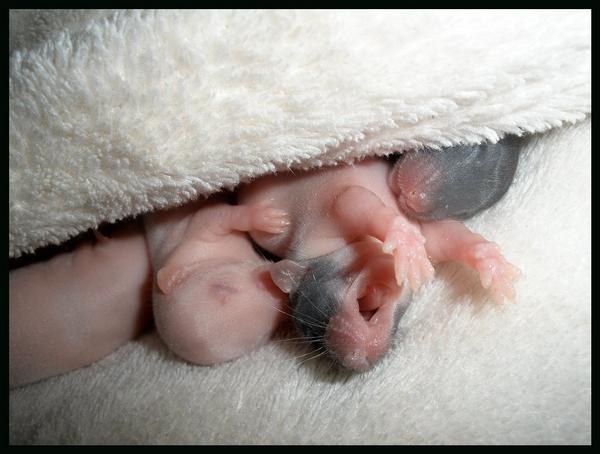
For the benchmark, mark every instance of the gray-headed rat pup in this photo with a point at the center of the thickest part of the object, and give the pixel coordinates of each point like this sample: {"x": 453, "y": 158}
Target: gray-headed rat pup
{"x": 353, "y": 253}
{"x": 455, "y": 183}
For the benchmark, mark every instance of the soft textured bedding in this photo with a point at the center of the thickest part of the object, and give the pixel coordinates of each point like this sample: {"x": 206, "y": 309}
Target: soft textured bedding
{"x": 114, "y": 114}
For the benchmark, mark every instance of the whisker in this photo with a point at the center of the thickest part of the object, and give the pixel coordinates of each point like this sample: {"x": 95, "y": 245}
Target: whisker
{"x": 303, "y": 342}
{"x": 309, "y": 321}
{"x": 305, "y": 318}
{"x": 314, "y": 324}
{"x": 307, "y": 339}
{"x": 310, "y": 352}
{"x": 314, "y": 305}
{"x": 314, "y": 357}
{"x": 331, "y": 364}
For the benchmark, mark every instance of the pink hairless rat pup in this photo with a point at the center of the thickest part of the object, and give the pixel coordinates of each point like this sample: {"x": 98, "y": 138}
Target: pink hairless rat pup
{"x": 349, "y": 228}
{"x": 212, "y": 297}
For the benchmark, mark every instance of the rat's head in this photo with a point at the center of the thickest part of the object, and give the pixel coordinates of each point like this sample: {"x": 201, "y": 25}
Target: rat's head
{"x": 455, "y": 183}
{"x": 415, "y": 180}
{"x": 347, "y": 301}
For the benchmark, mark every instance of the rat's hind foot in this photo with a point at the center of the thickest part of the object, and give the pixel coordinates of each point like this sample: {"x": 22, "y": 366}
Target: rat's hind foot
{"x": 411, "y": 264}
{"x": 495, "y": 273}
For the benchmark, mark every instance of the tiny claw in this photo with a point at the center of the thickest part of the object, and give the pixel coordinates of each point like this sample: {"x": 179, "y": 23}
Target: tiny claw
{"x": 399, "y": 270}
{"x": 498, "y": 298}
{"x": 510, "y": 293}
{"x": 504, "y": 292}
{"x": 411, "y": 264}
{"x": 486, "y": 280}
{"x": 415, "y": 282}
{"x": 495, "y": 273}
{"x": 428, "y": 271}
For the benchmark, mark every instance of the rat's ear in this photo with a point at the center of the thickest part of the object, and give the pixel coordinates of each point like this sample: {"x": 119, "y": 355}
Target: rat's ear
{"x": 286, "y": 274}
{"x": 167, "y": 278}
{"x": 171, "y": 276}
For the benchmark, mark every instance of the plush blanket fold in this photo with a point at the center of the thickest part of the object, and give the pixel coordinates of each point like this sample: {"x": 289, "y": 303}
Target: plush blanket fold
{"x": 120, "y": 113}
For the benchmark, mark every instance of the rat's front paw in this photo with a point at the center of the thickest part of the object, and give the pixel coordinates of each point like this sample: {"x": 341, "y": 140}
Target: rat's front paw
{"x": 411, "y": 264}
{"x": 266, "y": 218}
{"x": 495, "y": 273}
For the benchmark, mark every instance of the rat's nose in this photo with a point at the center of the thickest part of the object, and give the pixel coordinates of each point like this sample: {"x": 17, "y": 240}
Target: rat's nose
{"x": 356, "y": 360}
{"x": 355, "y": 342}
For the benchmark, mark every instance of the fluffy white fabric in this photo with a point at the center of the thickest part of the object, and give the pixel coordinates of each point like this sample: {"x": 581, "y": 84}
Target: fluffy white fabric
{"x": 118, "y": 115}
{"x": 138, "y": 111}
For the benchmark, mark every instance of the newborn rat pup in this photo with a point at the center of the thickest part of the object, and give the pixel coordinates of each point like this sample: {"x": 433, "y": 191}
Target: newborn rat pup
{"x": 455, "y": 183}
{"x": 441, "y": 188}
{"x": 352, "y": 256}
{"x": 347, "y": 233}
{"x": 344, "y": 286}
{"x": 213, "y": 298}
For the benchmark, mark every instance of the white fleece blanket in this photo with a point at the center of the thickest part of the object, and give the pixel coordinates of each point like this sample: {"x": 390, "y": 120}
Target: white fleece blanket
{"x": 118, "y": 113}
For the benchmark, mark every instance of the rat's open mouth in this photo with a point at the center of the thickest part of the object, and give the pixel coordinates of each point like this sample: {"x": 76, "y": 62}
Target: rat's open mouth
{"x": 371, "y": 298}
{"x": 358, "y": 335}
{"x": 367, "y": 315}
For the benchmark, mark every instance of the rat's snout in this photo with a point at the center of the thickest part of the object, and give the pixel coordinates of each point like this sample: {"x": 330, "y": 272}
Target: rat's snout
{"x": 349, "y": 306}
{"x": 359, "y": 334}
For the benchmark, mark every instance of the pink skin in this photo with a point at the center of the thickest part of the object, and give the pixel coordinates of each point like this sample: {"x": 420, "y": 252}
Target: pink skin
{"x": 407, "y": 182}
{"x": 330, "y": 209}
{"x": 334, "y": 207}
{"x": 213, "y": 298}
{"x": 77, "y": 307}
{"x": 450, "y": 240}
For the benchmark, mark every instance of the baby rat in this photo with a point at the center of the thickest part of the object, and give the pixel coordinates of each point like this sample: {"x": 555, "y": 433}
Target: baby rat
{"x": 347, "y": 234}
{"x": 76, "y": 307}
{"x": 213, "y": 298}
{"x": 342, "y": 283}
{"x": 455, "y": 184}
